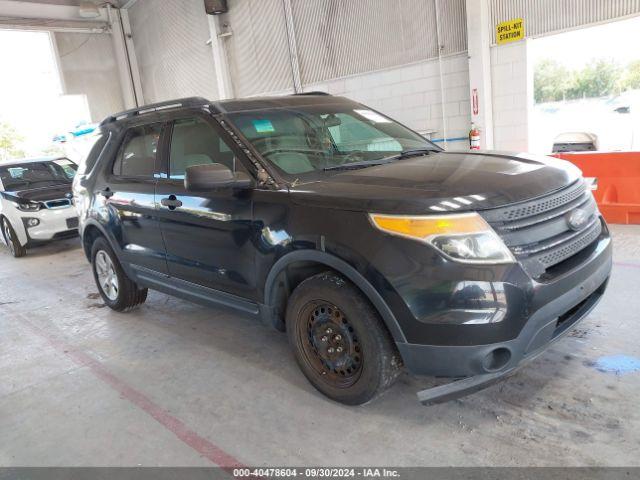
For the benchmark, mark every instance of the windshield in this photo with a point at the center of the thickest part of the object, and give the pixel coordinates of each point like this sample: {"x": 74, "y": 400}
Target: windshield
{"x": 37, "y": 174}
{"x": 304, "y": 142}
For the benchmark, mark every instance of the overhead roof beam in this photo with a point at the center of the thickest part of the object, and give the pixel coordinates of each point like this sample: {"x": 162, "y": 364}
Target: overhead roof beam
{"x": 46, "y": 11}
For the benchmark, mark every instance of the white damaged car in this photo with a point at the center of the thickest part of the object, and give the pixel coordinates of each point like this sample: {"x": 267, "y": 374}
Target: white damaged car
{"x": 36, "y": 203}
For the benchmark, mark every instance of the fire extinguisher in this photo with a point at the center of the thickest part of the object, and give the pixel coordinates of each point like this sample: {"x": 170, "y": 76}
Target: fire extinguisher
{"x": 474, "y": 138}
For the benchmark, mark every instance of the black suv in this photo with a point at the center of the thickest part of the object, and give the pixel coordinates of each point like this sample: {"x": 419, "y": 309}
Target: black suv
{"x": 370, "y": 246}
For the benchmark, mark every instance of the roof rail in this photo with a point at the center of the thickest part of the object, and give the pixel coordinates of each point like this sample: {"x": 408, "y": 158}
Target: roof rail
{"x": 311, "y": 93}
{"x": 156, "y": 107}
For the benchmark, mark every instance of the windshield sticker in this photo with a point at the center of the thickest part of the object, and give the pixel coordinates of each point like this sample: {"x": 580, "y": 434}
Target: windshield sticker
{"x": 16, "y": 172}
{"x": 372, "y": 116}
{"x": 263, "y": 126}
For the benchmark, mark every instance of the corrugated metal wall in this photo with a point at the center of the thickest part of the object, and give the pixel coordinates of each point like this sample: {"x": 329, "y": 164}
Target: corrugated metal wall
{"x": 170, "y": 39}
{"x": 548, "y": 16}
{"x": 337, "y": 38}
{"x": 257, "y": 49}
{"x": 88, "y": 67}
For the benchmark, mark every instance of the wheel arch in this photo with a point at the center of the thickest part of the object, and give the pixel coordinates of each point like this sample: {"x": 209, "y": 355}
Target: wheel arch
{"x": 276, "y": 288}
{"x": 90, "y": 232}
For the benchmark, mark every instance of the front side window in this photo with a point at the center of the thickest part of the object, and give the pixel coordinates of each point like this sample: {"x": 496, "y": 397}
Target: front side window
{"x": 306, "y": 141}
{"x": 37, "y": 174}
{"x": 196, "y": 142}
{"x": 137, "y": 155}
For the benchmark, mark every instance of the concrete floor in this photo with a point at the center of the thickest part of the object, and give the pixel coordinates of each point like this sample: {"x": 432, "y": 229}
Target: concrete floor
{"x": 177, "y": 384}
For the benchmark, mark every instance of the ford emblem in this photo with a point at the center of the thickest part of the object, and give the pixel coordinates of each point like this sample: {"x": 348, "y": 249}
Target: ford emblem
{"x": 577, "y": 219}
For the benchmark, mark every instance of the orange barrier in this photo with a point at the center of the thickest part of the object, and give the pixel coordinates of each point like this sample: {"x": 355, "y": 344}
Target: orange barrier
{"x": 618, "y": 174}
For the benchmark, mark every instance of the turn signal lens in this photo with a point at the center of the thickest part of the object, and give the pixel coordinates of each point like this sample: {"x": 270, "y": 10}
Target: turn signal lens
{"x": 463, "y": 237}
{"x": 423, "y": 227}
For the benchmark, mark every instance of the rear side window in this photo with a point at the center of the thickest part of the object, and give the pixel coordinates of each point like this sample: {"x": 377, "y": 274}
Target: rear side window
{"x": 88, "y": 162}
{"x": 137, "y": 156}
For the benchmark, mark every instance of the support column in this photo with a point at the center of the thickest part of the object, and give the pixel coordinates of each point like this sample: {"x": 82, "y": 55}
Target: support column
{"x": 293, "y": 47}
{"x": 220, "y": 58}
{"x": 479, "y": 43}
{"x": 130, "y": 82}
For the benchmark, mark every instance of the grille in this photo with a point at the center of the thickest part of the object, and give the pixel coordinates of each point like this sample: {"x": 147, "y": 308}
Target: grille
{"x": 538, "y": 232}
{"x": 61, "y": 203}
{"x": 534, "y": 207}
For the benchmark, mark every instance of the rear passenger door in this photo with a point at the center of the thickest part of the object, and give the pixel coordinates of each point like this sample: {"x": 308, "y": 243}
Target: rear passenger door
{"x": 130, "y": 194}
{"x": 207, "y": 234}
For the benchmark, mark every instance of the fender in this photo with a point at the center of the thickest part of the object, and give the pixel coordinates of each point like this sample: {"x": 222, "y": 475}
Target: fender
{"x": 92, "y": 222}
{"x": 345, "y": 269}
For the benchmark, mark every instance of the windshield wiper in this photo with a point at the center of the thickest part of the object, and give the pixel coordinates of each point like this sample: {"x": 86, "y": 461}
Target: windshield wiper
{"x": 382, "y": 161}
{"x": 414, "y": 152}
{"x": 363, "y": 164}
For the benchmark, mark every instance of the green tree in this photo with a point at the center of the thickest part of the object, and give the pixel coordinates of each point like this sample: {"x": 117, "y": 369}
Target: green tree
{"x": 631, "y": 79}
{"x": 9, "y": 141}
{"x": 551, "y": 81}
{"x": 597, "y": 79}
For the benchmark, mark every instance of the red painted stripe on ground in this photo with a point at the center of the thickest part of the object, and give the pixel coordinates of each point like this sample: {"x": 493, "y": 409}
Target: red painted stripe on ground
{"x": 201, "y": 445}
{"x": 627, "y": 265}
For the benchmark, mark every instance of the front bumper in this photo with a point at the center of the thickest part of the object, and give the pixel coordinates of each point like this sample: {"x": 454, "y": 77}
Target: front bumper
{"x": 554, "y": 308}
{"x": 54, "y": 224}
{"x": 525, "y": 348}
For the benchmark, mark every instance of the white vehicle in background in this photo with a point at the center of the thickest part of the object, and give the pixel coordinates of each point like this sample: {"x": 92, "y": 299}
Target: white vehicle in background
{"x": 36, "y": 203}
{"x": 575, "y": 142}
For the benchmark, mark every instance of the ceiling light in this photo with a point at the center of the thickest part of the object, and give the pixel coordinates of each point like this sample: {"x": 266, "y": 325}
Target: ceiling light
{"x": 88, "y": 10}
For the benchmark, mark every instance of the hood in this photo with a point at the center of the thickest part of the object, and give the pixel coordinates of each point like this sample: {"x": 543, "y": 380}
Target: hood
{"x": 41, "y": 194}
{"x": 440, "y": 182}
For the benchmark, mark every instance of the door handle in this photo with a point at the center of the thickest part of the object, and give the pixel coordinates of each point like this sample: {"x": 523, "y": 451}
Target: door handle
{"x": 171, "y": 202}
{"x": 106, "y": 193}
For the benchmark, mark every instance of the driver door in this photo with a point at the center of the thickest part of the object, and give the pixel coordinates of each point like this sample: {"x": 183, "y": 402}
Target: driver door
{"x": 207, "y": 235}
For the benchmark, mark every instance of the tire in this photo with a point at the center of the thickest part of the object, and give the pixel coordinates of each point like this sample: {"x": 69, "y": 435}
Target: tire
{"x": 11, "y": 238}
{"x": 118, "y": 291}
{"x": 327, "y": 312}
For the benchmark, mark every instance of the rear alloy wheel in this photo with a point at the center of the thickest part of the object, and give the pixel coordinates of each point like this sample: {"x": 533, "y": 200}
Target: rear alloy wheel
{"x": 11, "y": 238}
{"x": 107, "y": 276}
{"x": 118, "y": 291}
{"x": 340, "y": 341}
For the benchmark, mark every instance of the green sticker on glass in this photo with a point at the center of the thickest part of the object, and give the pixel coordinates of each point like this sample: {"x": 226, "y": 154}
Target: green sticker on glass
{"x": 263, "y": 126}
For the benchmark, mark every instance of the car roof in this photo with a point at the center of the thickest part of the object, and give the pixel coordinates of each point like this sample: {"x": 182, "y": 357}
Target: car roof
{"x": 262, "y": 103}
{"x": 229, "y": 106}
{"x": 22, "y": 161}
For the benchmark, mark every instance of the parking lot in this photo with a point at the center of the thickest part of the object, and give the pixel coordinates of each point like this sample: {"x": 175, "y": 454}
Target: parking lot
{"x": 176, "y": 384}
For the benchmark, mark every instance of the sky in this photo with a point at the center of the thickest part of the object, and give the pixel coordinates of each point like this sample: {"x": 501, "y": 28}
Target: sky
{"x": 617, "y": 40}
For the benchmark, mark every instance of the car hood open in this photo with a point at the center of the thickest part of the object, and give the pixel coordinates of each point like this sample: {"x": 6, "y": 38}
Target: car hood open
{"x": 440, "y": 182}
{"x": 41, "y": 194}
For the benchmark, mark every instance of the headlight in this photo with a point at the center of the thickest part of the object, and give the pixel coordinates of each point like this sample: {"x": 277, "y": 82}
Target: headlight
{"x": 27, "y": 206}
{"x": 462, "y": 237}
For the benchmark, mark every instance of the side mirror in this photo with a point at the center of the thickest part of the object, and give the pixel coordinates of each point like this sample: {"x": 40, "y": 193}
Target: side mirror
{"x": 213, "y": 176}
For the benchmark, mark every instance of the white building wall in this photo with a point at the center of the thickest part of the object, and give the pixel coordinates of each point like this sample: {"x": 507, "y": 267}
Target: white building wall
{"x": 512, "y": 92}
{"x": 88, "y": 67}
{"x": 411, "y": 94}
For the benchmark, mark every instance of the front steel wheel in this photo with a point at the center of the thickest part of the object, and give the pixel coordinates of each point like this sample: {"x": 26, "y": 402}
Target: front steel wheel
{"x": 330, "y": 345}
{"x": 339, "y": 340}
